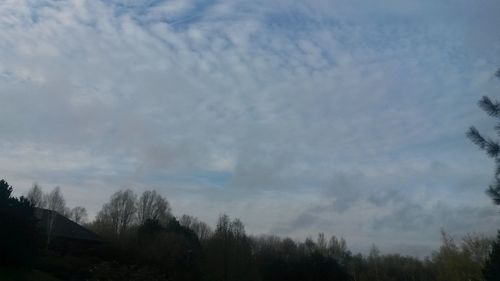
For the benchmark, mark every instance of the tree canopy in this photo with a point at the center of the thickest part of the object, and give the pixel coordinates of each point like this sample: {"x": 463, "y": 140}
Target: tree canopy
{"x": 19, "y": 236}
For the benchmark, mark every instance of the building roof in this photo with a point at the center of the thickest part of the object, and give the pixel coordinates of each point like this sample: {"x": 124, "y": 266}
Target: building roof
{"x": 62, "y": 227}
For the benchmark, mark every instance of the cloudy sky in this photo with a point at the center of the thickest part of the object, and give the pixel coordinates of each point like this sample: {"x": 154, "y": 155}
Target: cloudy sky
{"x": 343, "y": 116}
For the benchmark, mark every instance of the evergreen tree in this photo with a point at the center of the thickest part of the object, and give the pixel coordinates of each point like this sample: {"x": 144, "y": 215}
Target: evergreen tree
{"x": 492, "y": 147}
{"x": 18, "y": 235}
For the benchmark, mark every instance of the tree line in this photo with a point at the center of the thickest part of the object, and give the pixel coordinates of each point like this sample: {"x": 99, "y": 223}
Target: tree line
{"x": 145, "y": 241}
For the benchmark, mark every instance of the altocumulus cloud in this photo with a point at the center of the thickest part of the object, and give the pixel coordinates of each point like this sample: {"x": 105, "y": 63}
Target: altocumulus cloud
{"x": 345, "y": 117}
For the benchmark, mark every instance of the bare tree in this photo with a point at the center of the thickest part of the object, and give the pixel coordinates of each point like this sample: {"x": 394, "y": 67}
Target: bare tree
{"x": 152, "y": 205}
{"x": 237, "y": 228}
{"x": 459, "y": 262}
{"x": 337, "y": 249}
{"x": 118, "y": 214}
{"x": 477, "y": 247}
{"x": 187, "y": 220}
{"x": 55, "y": 201}
{"x": 79, "y": 215}
{"x": 321, "y": 243}
{"x": 202, "y": 230}
{"x": 35, "y": 195}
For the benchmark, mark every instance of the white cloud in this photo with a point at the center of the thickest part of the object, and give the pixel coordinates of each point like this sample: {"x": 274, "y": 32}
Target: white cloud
{"x": 340, "y": 104}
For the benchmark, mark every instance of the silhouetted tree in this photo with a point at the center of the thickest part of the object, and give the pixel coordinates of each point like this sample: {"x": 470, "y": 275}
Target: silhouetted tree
{"x": 18, "y": 234}
{"x": 35, "y": 195}
{"x": 173, "y": 248}
{"x": 374, "y": 263}
{"x": 228, "y": 255}
{"x": 286, "y": 260}
{"x": 477, "y": 247}
{"x": 79, "y": 215}
{"x": 491, "y": 270}
{"x": 452, "y": 263}
{"x": 492, "y": 147}
{"x": 55, "y": 201}
{"x": 118, "y": 214}
{"x": 202, "y": 230}
{"x": 337, "y": 249}
{"x": 148, "y": 228}
{"x": 152, "y": 206}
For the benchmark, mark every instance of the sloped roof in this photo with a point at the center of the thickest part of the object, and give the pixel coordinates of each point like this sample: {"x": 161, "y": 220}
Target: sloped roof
{"x": 63, "y": 227}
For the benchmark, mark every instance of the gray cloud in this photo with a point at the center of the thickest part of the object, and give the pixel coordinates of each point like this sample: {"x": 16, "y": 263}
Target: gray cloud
{"x": 456, "y": 219}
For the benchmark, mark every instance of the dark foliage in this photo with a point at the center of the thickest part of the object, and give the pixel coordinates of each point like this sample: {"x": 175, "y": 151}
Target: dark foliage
{"x": 174, "y": 249}
{"x": 313, "y": 267}
{"x": 18, "y": 236}
{"x": 286, "y": 260}
{"x": 491, "y": 269}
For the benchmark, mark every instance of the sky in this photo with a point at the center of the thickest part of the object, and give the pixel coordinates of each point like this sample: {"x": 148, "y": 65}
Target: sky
{"x": 298, "y": 117}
